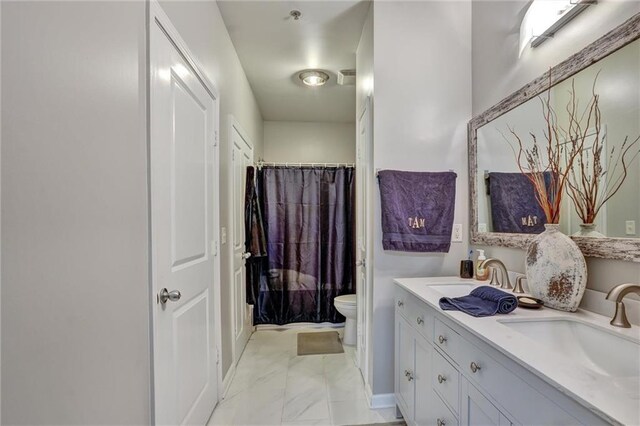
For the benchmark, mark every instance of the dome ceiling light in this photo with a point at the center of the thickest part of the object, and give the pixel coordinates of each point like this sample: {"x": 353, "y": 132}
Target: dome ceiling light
{"x": 313, "y": 78}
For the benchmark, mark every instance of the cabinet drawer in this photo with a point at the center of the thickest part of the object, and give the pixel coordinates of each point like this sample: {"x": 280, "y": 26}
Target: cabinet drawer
{"x": 436, "y": 413}
{"x": 448, "y": 340}
{"x": 513, "y": 393}
{"x": 416, "y": 313}
{"x": 445, "y": 380}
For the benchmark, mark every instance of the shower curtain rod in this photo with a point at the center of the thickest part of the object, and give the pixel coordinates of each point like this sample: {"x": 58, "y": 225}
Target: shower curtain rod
{"x": 260, "y": 164}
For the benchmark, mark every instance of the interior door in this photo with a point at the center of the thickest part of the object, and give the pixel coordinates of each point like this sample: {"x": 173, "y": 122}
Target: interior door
{"x": 182, "y": 142}
{"x": 363, "y": 174}
{"x": 241, "y": 158}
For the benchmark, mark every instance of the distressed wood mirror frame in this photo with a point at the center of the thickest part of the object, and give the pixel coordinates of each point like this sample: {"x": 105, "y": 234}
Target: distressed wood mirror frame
{"x": 608, "y": 248}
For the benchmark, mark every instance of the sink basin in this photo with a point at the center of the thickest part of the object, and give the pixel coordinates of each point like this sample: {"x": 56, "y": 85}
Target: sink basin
{"x": 453, "y": 289}
{"x": 595, "y": 348}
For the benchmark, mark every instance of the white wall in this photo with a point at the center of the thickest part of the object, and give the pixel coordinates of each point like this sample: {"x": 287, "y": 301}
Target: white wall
{"x": 75, "y": 288}
{"x": 75, "y": 295}
{"x": 309, "y": 142}
{"x": 201, "y": 26}
{"x": 422, "y": 67}
{"x": 497, "y": 72}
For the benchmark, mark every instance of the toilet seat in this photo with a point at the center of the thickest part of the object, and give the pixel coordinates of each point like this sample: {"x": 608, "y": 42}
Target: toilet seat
{"x": 346, "y": 299}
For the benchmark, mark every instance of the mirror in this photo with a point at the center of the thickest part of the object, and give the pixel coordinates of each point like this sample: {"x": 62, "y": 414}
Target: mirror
{"x": 504, "y": 207}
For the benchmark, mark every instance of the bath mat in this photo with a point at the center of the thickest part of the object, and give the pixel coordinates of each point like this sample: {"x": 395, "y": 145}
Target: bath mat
{"x": 324, "y": 342}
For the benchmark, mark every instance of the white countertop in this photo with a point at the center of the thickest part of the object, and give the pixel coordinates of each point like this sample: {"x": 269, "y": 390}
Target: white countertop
{"x": 596, "y": 392}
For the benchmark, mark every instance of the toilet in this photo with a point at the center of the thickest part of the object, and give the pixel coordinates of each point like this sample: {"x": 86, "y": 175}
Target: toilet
{"x": 346, "y": 305}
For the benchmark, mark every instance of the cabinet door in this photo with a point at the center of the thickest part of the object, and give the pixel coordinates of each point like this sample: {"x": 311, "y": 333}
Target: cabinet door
{"x": 405, "y": 374}
{"x": 477, "y": 410}
{"x": 423, "y": 398}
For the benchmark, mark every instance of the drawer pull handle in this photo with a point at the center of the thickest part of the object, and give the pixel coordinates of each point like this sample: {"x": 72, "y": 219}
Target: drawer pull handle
{"x": 406, "y": 373}
{"x": 474, "y": 367}
{"x": 441, "y": 422}
{"x": 441, "y": 378}
{"x": 442, "y": 339}
{"x": 400, "y": 303}
{"x": 420, "y": 321}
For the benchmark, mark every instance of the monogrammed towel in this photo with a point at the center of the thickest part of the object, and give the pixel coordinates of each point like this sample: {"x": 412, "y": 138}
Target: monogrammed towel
{"x": 513, "y": 204}
{"x": 417, "y": 210}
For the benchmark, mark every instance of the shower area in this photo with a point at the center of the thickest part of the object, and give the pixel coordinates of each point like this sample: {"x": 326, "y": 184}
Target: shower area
{"x": 300, "y": 236}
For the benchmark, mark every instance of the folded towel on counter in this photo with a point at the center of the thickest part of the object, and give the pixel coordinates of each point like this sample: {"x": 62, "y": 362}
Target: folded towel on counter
{"x": 417, "y": 210}
{"x": 514, "y": 207}
{"x": 481, "y": 302}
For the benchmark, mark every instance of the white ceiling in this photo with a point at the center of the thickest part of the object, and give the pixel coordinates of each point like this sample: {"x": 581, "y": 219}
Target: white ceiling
{"x": 273, "y": 47}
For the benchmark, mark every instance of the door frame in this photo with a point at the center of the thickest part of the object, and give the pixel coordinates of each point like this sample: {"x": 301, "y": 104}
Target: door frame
{"x": 234, "y": 124}
{"x": 156, "y": 15}
{"x": 363, "y": 297}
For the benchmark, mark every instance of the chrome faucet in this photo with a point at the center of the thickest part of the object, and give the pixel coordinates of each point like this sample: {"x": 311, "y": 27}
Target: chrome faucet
{"x": 504, "y": 274}
{"x": 616, "y": 295}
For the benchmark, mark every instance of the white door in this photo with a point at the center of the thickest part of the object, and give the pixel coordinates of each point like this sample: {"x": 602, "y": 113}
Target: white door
{"x": 241, "y": 158}
{"x": 363, "y": 174}
{"x": 182, "y": 142}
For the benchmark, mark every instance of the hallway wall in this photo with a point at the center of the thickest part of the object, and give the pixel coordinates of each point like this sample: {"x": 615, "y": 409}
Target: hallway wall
{"x": 75, "y": 261}
{"x": 75, "y": 284}
{"x": 422, "y": 68}
{"x": 309, "y": 142}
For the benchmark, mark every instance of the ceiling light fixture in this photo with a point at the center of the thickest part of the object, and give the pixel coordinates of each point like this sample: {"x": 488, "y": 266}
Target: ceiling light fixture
{"x": 313, "y": 78}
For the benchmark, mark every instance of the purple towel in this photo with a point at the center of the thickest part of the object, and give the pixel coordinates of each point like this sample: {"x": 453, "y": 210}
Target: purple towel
{"x": 513, "y": 204}
{"x": 417, "y": 210}
{"x": 481, "y": 302}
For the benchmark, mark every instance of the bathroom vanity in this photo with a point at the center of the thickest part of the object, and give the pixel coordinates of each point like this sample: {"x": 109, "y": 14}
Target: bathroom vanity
{"x": 529, "y": 367}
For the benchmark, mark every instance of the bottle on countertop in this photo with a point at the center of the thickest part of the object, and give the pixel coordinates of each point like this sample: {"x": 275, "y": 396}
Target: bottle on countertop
{"x": 482, "y": 274}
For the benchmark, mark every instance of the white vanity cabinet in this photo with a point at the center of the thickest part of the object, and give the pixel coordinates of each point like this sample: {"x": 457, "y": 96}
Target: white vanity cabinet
{"x": 445, "y": 375}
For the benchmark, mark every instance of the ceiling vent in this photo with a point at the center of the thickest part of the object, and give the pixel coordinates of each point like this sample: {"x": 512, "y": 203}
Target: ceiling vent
{"x": 347, "y": 77}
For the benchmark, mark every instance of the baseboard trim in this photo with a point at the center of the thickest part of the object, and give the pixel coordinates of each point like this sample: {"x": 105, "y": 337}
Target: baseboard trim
{"x": 380, "y": 400}
{"x": 226, "y": 382}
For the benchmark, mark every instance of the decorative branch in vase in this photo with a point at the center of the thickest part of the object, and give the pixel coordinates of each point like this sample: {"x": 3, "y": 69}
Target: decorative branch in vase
{"x": 597, "y": 173}
{"x": 547, "y": 165}
{"x": 555, "y": 267}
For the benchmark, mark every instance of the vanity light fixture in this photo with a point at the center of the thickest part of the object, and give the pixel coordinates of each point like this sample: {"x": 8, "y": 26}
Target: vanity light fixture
{"x": 545, "y": 17}
{"x": 313, "y": 78}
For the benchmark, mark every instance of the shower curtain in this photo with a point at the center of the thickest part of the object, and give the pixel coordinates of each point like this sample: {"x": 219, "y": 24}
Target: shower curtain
{"x": 308, "y": 220}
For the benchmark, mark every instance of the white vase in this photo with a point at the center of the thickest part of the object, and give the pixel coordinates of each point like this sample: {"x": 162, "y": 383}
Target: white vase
{"x": 556, "y": 270}
{"x": 588, "y": 230}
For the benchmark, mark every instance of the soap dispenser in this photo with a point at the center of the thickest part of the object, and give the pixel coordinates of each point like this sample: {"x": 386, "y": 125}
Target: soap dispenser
{"x": 482, "y": 274}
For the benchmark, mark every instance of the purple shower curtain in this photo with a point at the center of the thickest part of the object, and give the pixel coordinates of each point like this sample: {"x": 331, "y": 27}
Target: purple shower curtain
{"x": 308, "y": 215}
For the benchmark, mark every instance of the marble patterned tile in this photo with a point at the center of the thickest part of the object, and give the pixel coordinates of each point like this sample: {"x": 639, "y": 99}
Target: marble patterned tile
{"x": 354, "y": 412}
{"x": 321, "y": 422}
{"x": 306, "y": 365}
{"x": 274, "y": 386}
{"x": 259, "y": 408}
{"x": 305, "y": 398}
{"x": 344, "y": 385}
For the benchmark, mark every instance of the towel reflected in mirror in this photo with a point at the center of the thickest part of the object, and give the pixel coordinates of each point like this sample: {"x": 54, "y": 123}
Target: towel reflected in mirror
{"x": 514, "y": 208}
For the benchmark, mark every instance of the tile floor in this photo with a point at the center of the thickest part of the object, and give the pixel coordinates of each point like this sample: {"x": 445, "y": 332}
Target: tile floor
{"x": 274, "y": 386}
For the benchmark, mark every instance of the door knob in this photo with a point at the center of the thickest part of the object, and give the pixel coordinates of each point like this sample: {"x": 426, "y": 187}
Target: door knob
{"x": 362, "y": 263}
{"x": 246, "y": 255}
{"x": 474, "y": 367}
{"x": 165, "y": 295}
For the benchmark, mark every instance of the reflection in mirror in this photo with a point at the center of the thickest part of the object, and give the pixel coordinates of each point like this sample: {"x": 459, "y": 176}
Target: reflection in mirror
{"x": 506, "y": 199}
